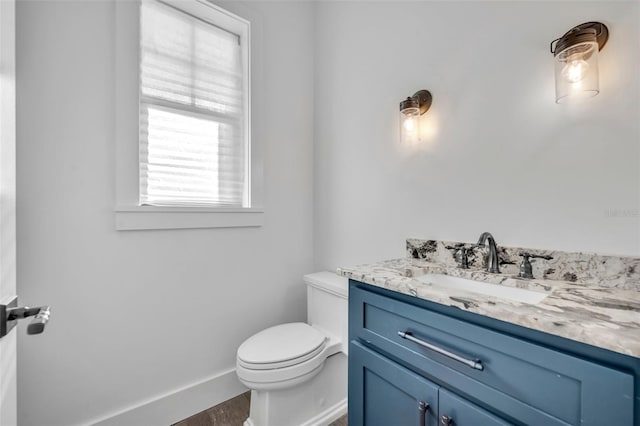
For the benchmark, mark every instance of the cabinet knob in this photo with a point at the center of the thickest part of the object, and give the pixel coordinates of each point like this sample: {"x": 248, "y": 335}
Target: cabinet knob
{"x": 446, "y": 421}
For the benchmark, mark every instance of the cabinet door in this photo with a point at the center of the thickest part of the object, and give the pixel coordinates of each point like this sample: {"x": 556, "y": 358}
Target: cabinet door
{"x": 455, "y": 411}
{"x": 384, "y": 393}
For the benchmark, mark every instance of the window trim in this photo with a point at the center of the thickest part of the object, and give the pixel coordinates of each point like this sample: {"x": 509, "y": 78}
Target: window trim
{"x": 129, "y": 215}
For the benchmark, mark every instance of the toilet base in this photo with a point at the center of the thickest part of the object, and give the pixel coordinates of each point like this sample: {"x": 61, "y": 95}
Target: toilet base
{"x": 316, "y": 402}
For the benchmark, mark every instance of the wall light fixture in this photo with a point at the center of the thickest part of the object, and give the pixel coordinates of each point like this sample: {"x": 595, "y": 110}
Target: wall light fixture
{"x": 410, "y": 111}
{"x": 576, "y": 61}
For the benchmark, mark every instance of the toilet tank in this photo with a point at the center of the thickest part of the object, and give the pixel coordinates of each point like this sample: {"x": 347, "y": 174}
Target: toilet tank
{"x": 327, "y": 305}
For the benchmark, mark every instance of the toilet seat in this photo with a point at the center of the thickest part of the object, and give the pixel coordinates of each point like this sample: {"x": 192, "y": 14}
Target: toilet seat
{"x": 283, "y": 356}
{"x": 281, "y": 346}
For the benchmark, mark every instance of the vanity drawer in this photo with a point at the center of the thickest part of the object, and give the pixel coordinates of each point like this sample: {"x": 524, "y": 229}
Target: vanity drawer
{"x": 529, "y": 383}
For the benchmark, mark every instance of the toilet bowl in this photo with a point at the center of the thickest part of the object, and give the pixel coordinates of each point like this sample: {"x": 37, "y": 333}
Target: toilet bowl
{"x": 297, "y": 372}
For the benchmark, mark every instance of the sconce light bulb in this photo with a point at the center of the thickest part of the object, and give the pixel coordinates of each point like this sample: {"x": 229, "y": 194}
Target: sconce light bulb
{"x": 410, "y": 123}
{"x": 575, "y": 70}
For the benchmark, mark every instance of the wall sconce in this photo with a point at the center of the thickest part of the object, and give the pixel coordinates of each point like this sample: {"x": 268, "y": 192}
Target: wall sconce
{"x": 410, "y": 111}
{"x": 576, "y": 61}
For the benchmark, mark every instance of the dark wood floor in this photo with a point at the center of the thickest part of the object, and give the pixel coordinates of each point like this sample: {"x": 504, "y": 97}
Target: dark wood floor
{"x": 231, "y": 413}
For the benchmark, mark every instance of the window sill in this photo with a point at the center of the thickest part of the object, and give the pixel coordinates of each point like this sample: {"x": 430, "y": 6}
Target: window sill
{"x": 131, "y": 218}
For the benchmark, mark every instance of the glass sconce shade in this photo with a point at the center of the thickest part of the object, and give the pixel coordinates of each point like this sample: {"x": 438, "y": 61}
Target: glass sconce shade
{"x": 410, "y": 111}
{"x": 577, "y": 72}
{"x": 410, "y": 122}
{"x": 576, "y": 61}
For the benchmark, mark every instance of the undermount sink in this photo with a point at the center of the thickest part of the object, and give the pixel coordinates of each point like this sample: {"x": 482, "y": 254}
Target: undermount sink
{"x": 494, "y": 290}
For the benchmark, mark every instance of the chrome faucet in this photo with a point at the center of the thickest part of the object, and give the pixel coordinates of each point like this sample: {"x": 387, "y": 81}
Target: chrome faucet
{"x": 492, "y": 257}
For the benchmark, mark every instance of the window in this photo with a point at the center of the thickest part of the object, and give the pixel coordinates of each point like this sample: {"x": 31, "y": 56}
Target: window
{"x": 193, "y": 143}
{"x": 193, "y": 153}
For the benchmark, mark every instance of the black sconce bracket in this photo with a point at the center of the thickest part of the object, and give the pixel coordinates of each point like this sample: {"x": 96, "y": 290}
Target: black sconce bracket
{"x": 577, "y": 33}
{"x": 423, "y": 99}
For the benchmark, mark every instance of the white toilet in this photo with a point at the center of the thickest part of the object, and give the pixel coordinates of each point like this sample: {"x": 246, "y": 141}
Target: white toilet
{"x": 297, "y": 372}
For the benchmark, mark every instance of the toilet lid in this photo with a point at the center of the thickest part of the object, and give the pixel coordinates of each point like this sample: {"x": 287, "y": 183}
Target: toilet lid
{"x": 281, "y": 346}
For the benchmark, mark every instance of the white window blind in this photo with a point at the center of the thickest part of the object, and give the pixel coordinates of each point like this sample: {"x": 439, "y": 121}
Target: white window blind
{"x": 194, "y": 150}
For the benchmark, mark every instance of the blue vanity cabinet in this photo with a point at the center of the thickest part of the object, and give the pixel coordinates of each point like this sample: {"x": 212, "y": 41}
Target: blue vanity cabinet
{"x": 387, "y": 394}
{"x": 454, "y": 410}
{"x": 508, "y": 378}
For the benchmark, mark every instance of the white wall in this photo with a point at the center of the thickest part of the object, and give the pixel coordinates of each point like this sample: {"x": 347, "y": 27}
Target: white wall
{"x": 502, "y": 156}
{"x": 139, "y": 314}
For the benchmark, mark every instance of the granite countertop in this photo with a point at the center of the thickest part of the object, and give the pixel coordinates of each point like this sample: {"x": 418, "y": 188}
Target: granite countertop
{"x": 606, "y": 317}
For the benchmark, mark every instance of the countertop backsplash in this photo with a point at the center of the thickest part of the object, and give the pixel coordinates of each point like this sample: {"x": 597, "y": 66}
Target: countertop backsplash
{"x": 586, "y": 268}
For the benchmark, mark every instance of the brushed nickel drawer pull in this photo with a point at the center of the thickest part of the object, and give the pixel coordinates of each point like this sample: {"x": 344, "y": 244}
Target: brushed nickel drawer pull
{"x": 475, "y": 364}
{"x": 422, "y": 409}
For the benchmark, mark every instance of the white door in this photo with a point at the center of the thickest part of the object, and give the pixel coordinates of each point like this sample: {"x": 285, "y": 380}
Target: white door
{"x": 8, "y": 405}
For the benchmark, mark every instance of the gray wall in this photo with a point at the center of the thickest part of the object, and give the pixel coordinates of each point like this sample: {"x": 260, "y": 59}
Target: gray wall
{"x": 501, "y": 155}
{"x": 139, "y": 314}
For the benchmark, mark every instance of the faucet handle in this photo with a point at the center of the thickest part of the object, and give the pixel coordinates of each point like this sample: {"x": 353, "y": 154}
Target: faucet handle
{"x": 535, "y": 256}
{"x": 525, "y": 267}
{"x": 463, "y": 261}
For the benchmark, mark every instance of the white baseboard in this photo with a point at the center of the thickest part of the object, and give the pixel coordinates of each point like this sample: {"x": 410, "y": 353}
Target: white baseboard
{"x": 329, "y": 415}
{"x": 178, "y": 404}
